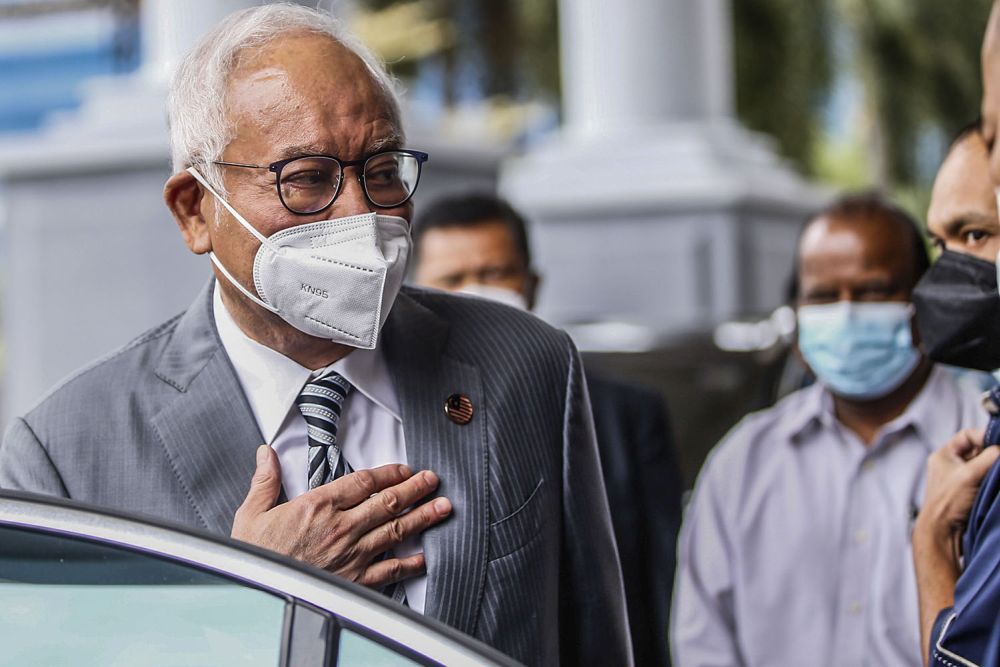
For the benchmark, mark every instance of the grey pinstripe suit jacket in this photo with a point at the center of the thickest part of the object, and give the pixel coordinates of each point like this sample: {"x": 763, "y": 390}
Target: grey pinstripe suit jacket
{"x": 526, "y": 563}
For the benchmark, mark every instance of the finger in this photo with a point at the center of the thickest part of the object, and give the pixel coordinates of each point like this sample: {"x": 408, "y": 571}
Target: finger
{"x": 392, "y": 533}
{"x": 350, "y": 490}
{"x": 392, "y": 502}
{"x": 981, "y": 464}
{"x": 974, "y": 439}
{"x": 265, "y": 485}
{"x": 967, "y": 443}
{"x": 393, "y": 570}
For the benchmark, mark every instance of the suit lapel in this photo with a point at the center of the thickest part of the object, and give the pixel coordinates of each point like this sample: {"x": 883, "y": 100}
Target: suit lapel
{"x": 207, "y": 427}
{"x": 210, "y": 435}
{"x": 425, "y": 377}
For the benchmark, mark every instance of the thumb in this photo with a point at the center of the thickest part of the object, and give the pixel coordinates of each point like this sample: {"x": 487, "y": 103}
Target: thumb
{"x": 968, "y": 442}
{"x": 265, "y": 483}
{"x": 981, "y": 464}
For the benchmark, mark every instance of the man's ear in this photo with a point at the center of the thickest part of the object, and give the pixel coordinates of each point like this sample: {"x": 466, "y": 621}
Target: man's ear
{"x": 183, "y": 195}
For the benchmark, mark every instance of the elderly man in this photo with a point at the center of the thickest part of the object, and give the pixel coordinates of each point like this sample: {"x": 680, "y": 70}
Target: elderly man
{"x": 292, "y": 176}
{"x": 478, "y": 244}
{"x": 793, "y": 551}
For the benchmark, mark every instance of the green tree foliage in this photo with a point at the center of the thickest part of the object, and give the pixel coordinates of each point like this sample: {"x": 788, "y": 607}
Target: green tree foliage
{"x": 782, "y": 68}
{"x": 512, "y": 46}
{"x": 916, "y": 63}
{"x": 953, "y": 84}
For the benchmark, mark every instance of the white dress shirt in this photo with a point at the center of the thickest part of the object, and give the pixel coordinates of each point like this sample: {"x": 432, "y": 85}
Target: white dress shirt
{"x": 795, "y": 549}
{"x": 370, "y": 433}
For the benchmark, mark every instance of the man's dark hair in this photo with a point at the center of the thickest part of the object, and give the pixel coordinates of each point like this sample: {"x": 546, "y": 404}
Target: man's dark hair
{"x": 867, "y": 206}
{"x": 472, "y": 210}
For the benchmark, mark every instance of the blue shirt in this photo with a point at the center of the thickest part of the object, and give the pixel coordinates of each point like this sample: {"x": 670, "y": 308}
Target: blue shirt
{"x": 795, "y": 549}
{"x": 968, "y": 633}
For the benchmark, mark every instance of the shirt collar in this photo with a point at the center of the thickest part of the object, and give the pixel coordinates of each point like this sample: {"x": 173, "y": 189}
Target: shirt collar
{"x": 931, "y": 413}
{"x": 367, "y": 371}
{"x": 272, "y": 381}
{"x": 815, "y": 410}
{"x": 923, "y": 414}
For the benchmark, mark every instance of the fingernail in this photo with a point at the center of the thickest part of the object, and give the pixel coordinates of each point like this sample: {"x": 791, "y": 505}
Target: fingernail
{"x": 430, "y": 477}
{"x": 262, "y": 455}
{"x": 404, "y": 470}
{"x": 442, "y": 505}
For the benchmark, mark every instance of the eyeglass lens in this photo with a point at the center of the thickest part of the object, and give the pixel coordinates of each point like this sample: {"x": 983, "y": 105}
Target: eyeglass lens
{"x": 310, "y": 184}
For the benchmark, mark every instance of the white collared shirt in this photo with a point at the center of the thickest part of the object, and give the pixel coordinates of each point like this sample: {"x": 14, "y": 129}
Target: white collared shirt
{"x": 795, "y": 548}
{"x": 370, "y": 432}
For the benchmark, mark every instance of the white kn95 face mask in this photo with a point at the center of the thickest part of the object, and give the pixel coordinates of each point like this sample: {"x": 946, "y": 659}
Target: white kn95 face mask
{"x": 335, "y": 279}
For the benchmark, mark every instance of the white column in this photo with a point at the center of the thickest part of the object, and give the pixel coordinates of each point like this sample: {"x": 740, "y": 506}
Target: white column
{"x": 170, "y": 27}
{"x": 654, "y": 210}
{"x": 634, "y": 63}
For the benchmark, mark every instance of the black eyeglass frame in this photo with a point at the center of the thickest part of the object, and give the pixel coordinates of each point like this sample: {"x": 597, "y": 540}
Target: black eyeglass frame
{"x": 276, "y": 167}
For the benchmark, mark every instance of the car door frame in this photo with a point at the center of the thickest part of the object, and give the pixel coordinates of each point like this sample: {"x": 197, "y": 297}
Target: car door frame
{"x": 360, "y": 609}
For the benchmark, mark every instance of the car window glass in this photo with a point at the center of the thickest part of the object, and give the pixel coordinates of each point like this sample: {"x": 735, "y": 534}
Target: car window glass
{"x": 357, "y": 651}
{"x": 66, "y": 601}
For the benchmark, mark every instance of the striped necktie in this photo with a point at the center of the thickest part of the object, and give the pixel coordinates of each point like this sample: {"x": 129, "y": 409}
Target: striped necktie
{"x": 321, "y": 403}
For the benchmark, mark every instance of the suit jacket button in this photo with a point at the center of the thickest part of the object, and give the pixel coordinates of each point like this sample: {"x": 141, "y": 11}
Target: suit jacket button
{"x": 458, "y": 407}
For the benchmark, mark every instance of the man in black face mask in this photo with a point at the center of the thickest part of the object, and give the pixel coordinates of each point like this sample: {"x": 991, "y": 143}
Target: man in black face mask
{"x": 960, "y": 596}
{"x": 958, "y": 316}
{"x": 958, "y": 307}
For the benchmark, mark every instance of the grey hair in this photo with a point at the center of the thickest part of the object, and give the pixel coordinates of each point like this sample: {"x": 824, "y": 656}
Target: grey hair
{"x": 196, "y": 104}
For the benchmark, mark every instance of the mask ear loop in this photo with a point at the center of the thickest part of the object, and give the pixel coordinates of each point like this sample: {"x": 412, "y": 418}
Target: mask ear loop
{"x": 260, "y": 237}
{"x": 247, "y": 293}
{"x": 239, "y": 218}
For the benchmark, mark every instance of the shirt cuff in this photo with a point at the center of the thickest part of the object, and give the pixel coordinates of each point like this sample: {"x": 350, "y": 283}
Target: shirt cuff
{"x": 940, "y": 654}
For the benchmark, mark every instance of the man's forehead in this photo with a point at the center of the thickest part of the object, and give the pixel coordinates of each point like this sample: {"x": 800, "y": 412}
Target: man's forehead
{"x": 308, "y": 94}
{"x": 869, "y": 241}
{"x": 963, "y": 184}
{"x": 306, "y": 50}
{"x": 313, "y": 67}
{"x": 469, "y": 245}
{"x": 967, "y": 162}
{"x": 485, "y": 233}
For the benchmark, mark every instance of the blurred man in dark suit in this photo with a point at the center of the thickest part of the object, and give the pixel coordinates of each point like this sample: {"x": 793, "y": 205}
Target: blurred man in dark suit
{"x": 478, "y": 244}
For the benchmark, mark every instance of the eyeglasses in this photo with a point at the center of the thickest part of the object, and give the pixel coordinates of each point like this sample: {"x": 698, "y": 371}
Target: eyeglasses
{"x": 310, "y": 183}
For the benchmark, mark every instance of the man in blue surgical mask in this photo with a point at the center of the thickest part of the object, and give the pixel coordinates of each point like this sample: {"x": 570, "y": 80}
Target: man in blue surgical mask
{"x": 794, "y": 550}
